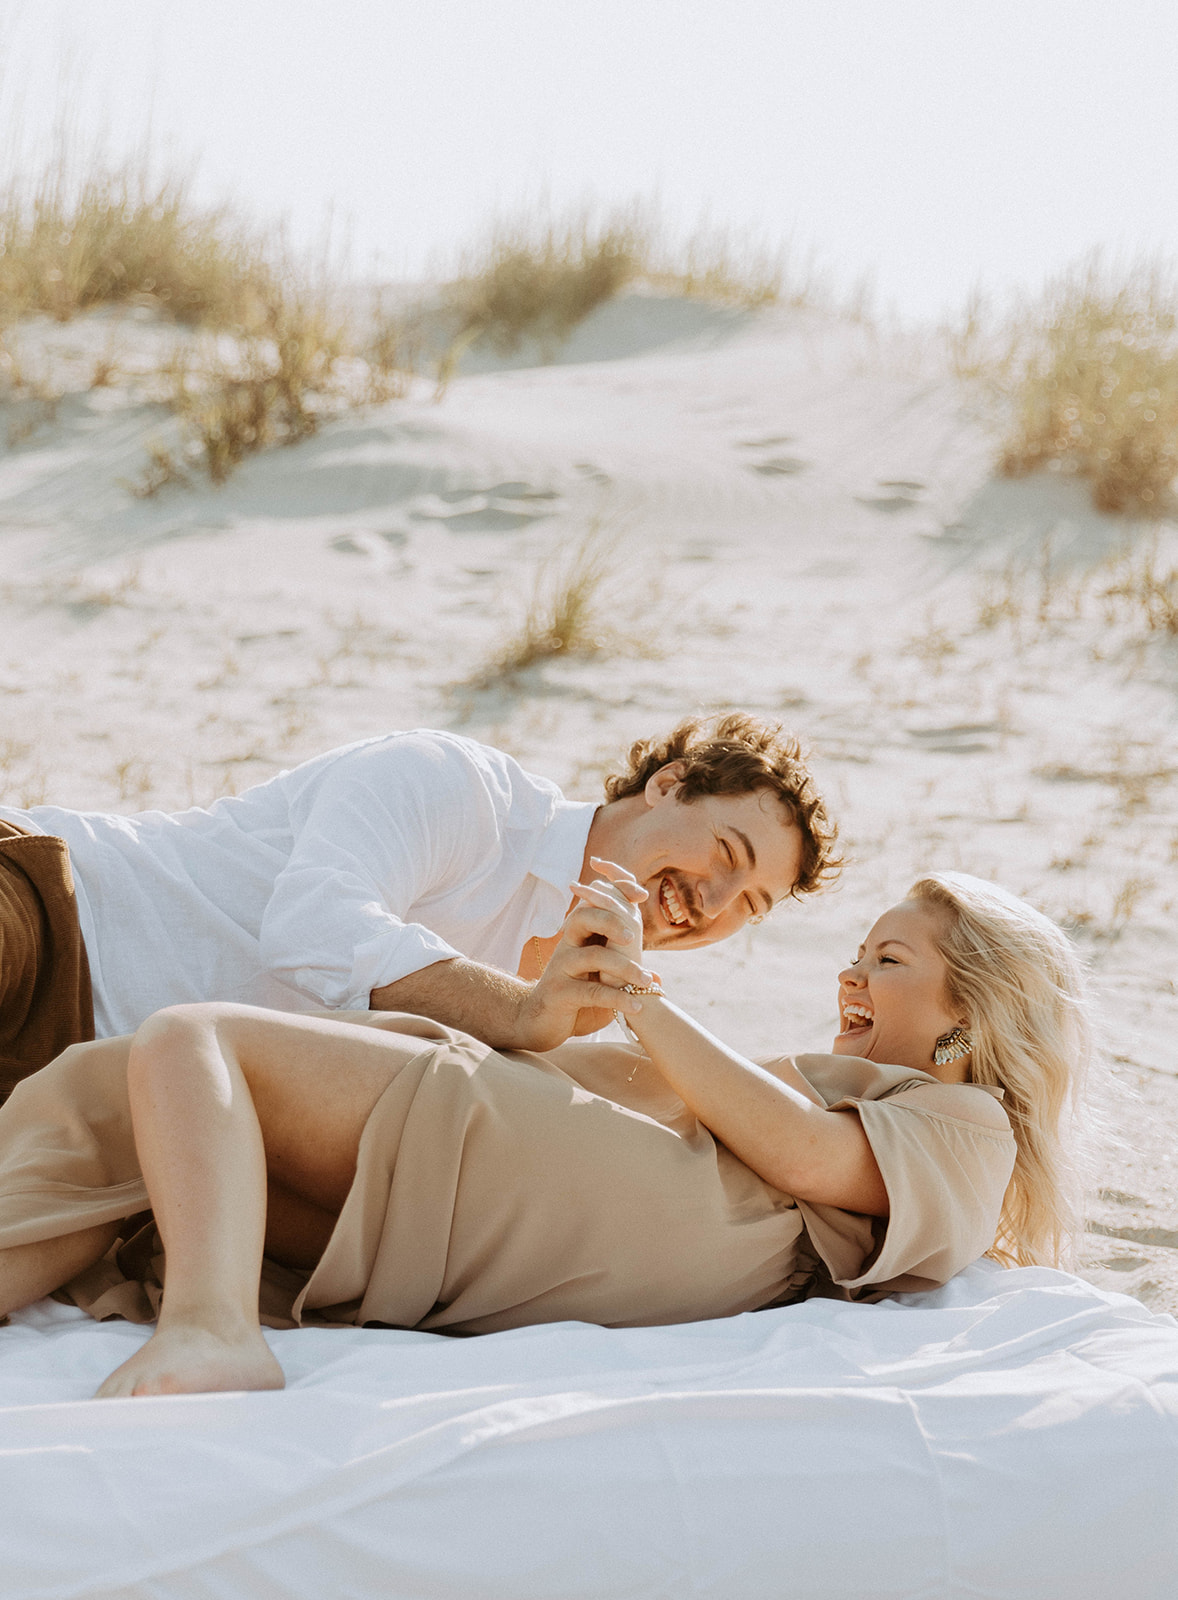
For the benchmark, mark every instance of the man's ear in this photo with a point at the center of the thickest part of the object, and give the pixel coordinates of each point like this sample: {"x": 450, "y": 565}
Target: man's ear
{"x": 663, "y": 783}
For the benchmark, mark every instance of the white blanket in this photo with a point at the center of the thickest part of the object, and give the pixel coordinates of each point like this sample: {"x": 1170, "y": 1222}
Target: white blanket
{"x": 1014, "y": 1434}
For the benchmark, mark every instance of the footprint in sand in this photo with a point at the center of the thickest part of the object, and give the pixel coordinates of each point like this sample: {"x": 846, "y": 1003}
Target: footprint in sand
{"x": 960, "y": 738}
{"x": 774, "y": 466}
{"x": 500, "y": 508}
{"x": 898, "y": 494}
{"x": 377, "y": 542}
{"x": 1124, "y": 1263}
{"x": 516, "y": 489}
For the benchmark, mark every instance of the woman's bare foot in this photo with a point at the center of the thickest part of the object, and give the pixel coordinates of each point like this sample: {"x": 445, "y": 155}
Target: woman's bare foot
{"x": 183, "y": 1358}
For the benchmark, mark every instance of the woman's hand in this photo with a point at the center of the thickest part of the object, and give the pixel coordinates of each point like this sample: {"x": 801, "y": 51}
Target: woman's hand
{"x": 600, "y": 944}
{"x": 615, "y": 889}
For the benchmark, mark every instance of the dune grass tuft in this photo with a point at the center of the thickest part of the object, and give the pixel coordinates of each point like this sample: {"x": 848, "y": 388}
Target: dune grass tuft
{"x": 392, "y": 350}
{"x": 270, "y": 383}
{"x": 71, "y": 240}
{"x": 269, "y": 333}
{"x": 725, "y": 267}
{"x": 1092, "y": 385}
{"x": 537, "y": 278}
{"x": 1143, "y": 587}
{"x": 564, "y": 615}
{"x": 161, "y": 472}
{"x": 1130, "y": 597}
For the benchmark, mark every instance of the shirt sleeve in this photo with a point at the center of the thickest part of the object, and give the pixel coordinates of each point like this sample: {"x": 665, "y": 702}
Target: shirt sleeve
{"x": 375, "y": 832}
{"x": 946, "y": 1162}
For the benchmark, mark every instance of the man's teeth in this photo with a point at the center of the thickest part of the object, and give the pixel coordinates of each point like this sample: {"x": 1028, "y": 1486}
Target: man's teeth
{"x": 853, "y": 1011}
{"x": 673, "y": 906}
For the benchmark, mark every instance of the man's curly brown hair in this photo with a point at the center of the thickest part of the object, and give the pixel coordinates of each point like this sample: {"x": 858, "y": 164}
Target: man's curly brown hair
{"x": 738, "y": 754}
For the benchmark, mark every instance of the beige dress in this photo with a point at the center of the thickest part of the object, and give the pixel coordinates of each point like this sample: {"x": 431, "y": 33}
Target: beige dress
{"x": 500, "y": 1188}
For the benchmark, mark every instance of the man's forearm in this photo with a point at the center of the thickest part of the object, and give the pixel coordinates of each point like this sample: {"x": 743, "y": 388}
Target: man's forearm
{"x": 462, "y": 994}
{"x": 579, "y": 989}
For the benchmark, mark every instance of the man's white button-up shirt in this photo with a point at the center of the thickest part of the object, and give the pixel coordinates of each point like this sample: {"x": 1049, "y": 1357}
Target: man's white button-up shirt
{"x": 331, "y": 880}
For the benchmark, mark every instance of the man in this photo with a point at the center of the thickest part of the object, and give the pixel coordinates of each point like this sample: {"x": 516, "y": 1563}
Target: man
{"x": 416, "y": 872}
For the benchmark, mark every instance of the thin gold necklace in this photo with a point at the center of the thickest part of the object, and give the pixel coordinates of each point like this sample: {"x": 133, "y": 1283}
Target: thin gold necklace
{"x": 539, "y": 954}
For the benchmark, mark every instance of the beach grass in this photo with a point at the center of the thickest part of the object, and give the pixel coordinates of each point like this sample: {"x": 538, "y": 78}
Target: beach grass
{"x": 267, "y": 331}
{"x": 1143, "y": 586}
{"x": 564, "y": 616}
{"x": 537, "y": 275}
{"x": 78, "y": 235}
{"x": 277, "y": 344}
{"x": 271, "y": 383}
{"x": 1130, "y": 597}
{"x": 1091, "y": 384}
{"x": 735, "y": 267}
{"x": 392, "y": 349}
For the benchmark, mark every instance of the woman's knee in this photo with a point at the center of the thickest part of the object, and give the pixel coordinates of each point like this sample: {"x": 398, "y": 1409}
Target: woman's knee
{"x": 177, "y": 1026}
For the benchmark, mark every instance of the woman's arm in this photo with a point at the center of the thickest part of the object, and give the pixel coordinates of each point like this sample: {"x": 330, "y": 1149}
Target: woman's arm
{"x": 771, "y": 1124}
{"x": 776, "y": 1129}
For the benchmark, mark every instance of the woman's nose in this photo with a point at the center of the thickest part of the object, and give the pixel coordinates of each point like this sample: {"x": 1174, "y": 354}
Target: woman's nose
{"x": 849, "y": 978}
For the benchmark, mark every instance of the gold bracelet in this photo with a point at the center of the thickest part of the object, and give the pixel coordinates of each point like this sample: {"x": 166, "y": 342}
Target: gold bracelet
{"x": 623, "y": 1022}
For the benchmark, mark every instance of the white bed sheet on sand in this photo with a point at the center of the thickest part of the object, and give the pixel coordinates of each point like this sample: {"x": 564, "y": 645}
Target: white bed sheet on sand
{"x": 1014, "y": 1434}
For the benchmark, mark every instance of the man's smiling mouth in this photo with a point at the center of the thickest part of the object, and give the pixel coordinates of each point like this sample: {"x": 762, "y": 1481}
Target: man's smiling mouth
{"x": 672, "y": 907}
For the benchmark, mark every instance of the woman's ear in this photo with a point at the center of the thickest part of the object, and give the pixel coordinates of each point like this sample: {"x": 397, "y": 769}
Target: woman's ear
{"x": 662, "y": 783}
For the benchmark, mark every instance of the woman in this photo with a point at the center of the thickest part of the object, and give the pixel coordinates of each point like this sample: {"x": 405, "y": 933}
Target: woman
{"x": 404, "y": 1174}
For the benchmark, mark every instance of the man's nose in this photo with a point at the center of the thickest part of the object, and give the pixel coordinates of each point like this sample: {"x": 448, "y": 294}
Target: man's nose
{"x": 718, "y": 892}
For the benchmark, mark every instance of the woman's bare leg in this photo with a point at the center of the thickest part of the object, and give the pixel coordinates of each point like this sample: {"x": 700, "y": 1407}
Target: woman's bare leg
{"x": 218, "y": 1093}
{"x": 29, "y": 1272}
{"x": 200, "y": 1149}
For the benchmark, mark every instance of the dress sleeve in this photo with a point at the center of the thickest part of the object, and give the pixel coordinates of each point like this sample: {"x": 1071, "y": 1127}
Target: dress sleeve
{"x": 946, "y": 1154}
{"x": 375, "y": 832}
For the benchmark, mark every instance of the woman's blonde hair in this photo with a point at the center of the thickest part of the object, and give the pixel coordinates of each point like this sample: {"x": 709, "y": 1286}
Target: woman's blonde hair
{"x": 1021, "y": 987}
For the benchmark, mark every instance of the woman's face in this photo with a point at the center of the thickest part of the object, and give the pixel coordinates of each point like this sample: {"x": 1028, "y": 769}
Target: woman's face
{"x": 893, "y": 999}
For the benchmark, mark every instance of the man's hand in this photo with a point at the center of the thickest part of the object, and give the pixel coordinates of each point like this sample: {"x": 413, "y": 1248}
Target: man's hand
{"x": 577, "y": 993}
{"x": 600, "y": 947}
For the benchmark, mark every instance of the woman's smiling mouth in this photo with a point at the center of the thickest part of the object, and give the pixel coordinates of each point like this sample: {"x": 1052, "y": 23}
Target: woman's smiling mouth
{"x": 856, "y": 1018}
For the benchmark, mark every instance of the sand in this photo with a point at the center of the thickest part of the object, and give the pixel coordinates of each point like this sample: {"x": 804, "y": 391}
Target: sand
{"x": 800, "y": 518}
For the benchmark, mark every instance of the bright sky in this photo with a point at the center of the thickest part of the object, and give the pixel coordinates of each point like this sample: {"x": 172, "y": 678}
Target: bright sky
{"x": 932, "y": 143}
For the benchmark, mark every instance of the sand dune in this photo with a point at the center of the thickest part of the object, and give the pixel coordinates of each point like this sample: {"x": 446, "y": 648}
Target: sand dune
{"x": 802, "y": 520}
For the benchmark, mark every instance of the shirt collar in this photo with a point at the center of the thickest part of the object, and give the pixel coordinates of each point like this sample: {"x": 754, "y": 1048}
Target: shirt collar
{"x": 560, "y": 852}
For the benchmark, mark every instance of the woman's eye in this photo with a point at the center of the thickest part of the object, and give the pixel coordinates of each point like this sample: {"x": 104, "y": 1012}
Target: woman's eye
{"x": 891, "y": 960}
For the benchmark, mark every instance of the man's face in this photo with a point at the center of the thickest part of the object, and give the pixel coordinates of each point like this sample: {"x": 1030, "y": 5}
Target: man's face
{"x": 711, "y": 863}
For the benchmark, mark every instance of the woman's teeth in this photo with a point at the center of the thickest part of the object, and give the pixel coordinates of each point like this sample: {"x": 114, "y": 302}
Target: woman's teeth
{"x": 857, "y": 1016}
{"x": 672, "y": 906}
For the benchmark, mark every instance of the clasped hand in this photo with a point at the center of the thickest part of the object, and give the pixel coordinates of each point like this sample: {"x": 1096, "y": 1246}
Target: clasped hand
{"x": 599, "y": 951}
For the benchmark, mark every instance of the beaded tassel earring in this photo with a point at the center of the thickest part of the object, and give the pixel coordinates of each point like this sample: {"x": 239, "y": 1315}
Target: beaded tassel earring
{"x": 951, "y": 1047}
